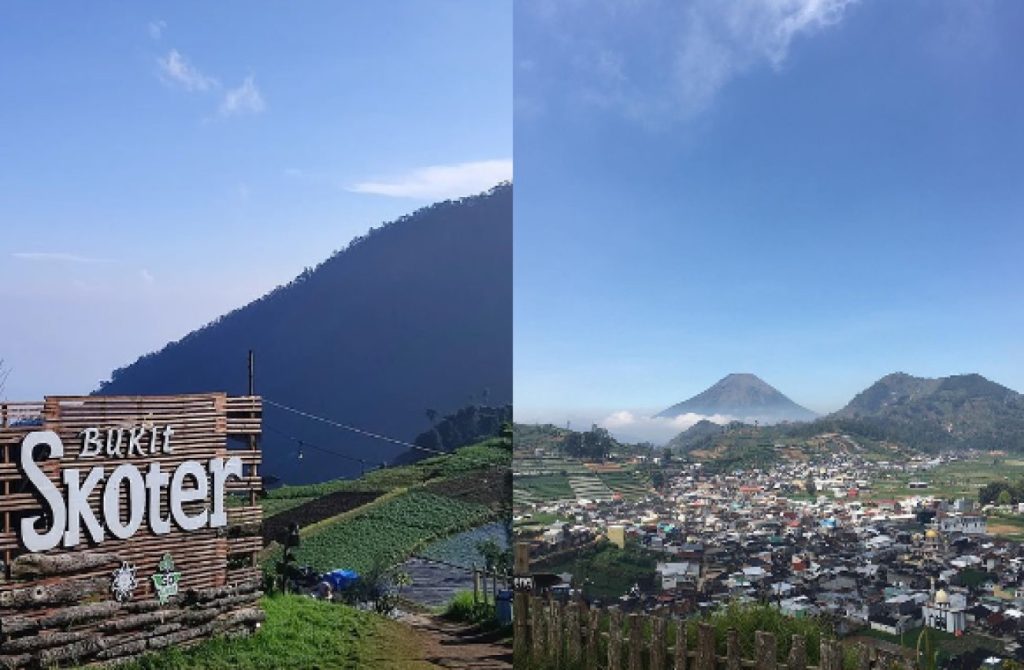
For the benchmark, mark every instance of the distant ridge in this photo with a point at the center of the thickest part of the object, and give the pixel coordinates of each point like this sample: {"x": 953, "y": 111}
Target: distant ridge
{"x": 416, "y": 315}
{"x": 966, "y": 409}
{"x": 741, "y": 396}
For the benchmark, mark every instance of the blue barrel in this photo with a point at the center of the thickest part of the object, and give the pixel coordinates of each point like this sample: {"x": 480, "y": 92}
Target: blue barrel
{"x": 503, "y": 607}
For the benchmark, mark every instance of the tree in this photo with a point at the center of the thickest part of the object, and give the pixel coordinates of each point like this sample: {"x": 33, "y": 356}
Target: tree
{"x": 666, "y": 455}
{"x": 1004, "y": 498}
{"x": 810, "y": 486}
{"x": 657, "y": 479}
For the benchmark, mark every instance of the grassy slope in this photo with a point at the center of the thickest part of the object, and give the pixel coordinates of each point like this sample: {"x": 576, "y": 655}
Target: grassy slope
{"x": 304, "y": 633}
{"x": 490, "y": 453}
{"x": 388, "y": 533}
{"x": 388, "y": 530}
{"x": 301, "y": 633}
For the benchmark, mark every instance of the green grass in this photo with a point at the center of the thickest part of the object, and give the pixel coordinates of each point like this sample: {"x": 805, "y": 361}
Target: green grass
{"x": 299, "y": 633}
{"x": 462, "y": 608}
{"x": 272, "y": 506}
{"x": 611, "y": 571}
{"x": 385, "y": 534}
{"x": 490, "y": 453}
{"x": 960, "y": 479}
{"x": 545, "y": 487}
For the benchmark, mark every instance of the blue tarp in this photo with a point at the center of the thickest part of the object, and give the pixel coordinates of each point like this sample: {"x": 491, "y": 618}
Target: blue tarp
{"x": 340, "y": 579}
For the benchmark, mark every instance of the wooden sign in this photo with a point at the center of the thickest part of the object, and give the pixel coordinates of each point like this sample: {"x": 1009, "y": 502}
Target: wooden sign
{"x": 127, "y": 524}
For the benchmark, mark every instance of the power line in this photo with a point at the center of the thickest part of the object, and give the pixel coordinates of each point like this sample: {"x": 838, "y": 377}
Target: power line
{"x": 305, "y": 443}
{"x": 360, "y": 431}
{"x": 367, "y": 433}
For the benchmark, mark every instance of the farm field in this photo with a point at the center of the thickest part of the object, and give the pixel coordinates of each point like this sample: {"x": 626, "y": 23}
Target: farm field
{"x": 386, "y": 534}
{"x": 540, "y": 488}
{"x": 274, "y": 506}
{"x": 488, "y": 454}
{"x": 314, "y": 510}
{"x": 960, "y": 479}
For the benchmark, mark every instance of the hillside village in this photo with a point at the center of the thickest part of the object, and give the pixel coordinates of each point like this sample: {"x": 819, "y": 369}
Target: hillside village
{"x": 834, "y": 537}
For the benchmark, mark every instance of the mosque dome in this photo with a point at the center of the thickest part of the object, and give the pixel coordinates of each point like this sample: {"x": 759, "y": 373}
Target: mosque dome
{"x": 941, "y": 597}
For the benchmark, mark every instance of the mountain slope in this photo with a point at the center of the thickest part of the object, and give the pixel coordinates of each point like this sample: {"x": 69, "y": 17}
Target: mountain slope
{"x": 416, "y": 314}
{"x": 970, "y": 409}
{"x": 741, "y": 396}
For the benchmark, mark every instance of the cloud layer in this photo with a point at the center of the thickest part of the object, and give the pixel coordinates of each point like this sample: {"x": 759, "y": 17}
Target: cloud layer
{"x": 440, "y": 181}
{"x": 176, "y": 71}
{"x": 633, "y": 426}
{"x": 57, "y": 257}
{"x": 653, "y": 60}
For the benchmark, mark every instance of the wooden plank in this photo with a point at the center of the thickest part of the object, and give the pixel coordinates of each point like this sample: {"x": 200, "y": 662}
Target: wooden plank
{"x": 732, "y": 649}
{"x": 657, "y": 642}
{"x": 636, "y": 641}
{"x": 797, "y": 653}
{"x": 705, "y": 647}
{"x": 764, "y": 650}
{"x": 615, "y": 639}
{"x": 679, "y": 652}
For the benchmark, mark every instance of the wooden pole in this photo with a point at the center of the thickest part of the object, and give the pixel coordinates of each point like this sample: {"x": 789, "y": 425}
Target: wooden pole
{"x": 615, "y": 640}
{"x": 705, "y": 647}
{"x": 636, "y": 642}
{"x": 680, "y": 648}
{"x": 657, "y": 643}
{"x": 522, "y": 604}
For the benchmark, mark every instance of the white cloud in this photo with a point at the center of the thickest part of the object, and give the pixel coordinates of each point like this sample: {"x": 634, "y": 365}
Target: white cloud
{"x": 669, "y": 60}
{"x": 147, "y": 277}
{"x": 176, "y": 70}
{"x": 441, "y": 181}
{"x": 57, "y": 257}
{"x": 245, "y": 99}
{"x": 641, "y": 427}
{"x": 156, "y": 28}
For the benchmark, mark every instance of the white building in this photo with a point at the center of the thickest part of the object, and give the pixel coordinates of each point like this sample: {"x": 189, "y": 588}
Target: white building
{"x": 946, "y": 612}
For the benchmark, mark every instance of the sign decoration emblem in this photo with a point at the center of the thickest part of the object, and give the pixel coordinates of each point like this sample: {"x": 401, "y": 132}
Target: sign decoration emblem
{"x": 166, "y": 580}
{"x": 124, "y": 582}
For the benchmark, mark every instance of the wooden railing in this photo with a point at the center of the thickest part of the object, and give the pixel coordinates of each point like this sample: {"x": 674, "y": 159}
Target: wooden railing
{"x": 551, "y": 634}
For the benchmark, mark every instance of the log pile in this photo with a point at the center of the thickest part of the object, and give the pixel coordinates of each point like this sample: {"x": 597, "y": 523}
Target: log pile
{"x": 57, "y": 608}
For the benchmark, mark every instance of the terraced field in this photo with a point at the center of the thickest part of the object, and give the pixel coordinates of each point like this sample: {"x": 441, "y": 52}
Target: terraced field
{"x": 626, "y": 483}
{"x": 589, "y": 488}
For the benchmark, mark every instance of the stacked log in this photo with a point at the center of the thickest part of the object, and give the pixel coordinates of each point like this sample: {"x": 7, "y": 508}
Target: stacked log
{"x": 57, "y": 608}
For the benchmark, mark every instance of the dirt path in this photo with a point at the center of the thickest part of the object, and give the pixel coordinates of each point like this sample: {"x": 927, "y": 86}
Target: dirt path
{"x": 451, "y": 645}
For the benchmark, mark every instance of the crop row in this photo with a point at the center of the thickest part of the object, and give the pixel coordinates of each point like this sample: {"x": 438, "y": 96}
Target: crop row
{"x": 386, "y": 534}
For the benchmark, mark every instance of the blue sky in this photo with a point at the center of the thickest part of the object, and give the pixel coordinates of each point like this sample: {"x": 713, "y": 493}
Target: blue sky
{"x": 817, "y": 191}
{"x": 161, "y": 164}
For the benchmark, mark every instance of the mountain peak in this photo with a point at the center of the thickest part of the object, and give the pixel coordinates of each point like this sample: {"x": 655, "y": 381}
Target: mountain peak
{"x": 741, "y": 395}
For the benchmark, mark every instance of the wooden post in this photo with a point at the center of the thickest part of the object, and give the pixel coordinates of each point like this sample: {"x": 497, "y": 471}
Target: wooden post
{"x": 657, "y": 643}
{"x": 476, "y": 586}
{"x": 556, "y": 622}
{"x": 732, "y": 650}
{"x": 680, "y": 648}
{"x": 798, "y": 653}
{"x": 764, "y": 650}
{"x": 831, "y": 655}
{"x": 705, "y": 647}
{"x": 863, "y": 657}
{"x": 521, "y": 605}
{"x": 636, "y": 642}
{"x": 572, "y": 634}
{"x": 593, "y": 635}
{"x": 538, "y": 640}
{"x": 615, "y": 639}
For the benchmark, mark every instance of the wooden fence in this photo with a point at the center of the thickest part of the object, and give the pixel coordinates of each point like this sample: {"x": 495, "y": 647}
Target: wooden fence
{"x": 551, "y": 634}
{"x": 57, "y": 608}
